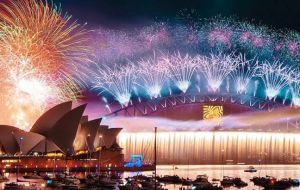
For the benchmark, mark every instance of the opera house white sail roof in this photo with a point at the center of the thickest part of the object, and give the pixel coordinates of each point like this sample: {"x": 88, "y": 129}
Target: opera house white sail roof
{"x": 62, "y": 129}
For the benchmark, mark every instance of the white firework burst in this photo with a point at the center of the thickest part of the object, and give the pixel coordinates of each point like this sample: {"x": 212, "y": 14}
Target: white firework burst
{"x": 243, "y": 74}
{"x": 182, "y": 69}
{"x": 152, "y": 75}
{"x": 117, "y": 80}
{"x": 294, "y": 84}
{"x": 275, "y": 77}
{"x": 216, "y": 68}
{"x": 295, "y": 90}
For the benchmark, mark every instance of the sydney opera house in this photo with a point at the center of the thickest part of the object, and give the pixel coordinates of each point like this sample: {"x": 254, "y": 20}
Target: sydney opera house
{"x": 61, "y": 138}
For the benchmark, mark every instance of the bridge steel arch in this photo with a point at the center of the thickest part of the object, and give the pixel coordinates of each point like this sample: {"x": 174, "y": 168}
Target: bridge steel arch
{"x": 148, "y": 107}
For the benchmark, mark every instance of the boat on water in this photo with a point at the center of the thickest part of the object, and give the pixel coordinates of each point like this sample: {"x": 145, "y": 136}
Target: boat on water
{"x": 186, "y": 182}
{"x": 129, "y": 187}
{"x": 295, "y": 182}
{"x": 142, "y": 182}
{"x": 233, "y": 181}
{"x": 173, "y": 179}
{"x": 239, "y": 183}
{"x": 269, "y": 182}
{"x": 201, "y": 178}
{"x": 261, "y": 181}
{"x": 67, "y": 179}
{"x": 32, "y": 176}
{"x": 97, "y": 181}
{"x": 278, "y": 184}
{"x": 61, "y": 185}
{"x": 227, "y": 181}
{"x": 131, "y": 184}
{"x": 250, "y": 169}
{"x": 201, "y": 183}
{"x": 151, "y": 184}
{"x": 63, "y": 181}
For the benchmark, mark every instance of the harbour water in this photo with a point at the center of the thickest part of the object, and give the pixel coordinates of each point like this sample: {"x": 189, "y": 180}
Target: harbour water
{"x": 212, "y": 171}
{"x": 217, "y": 171}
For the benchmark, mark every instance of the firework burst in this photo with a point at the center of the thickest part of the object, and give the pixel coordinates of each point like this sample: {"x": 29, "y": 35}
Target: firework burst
{"x": 182, "y": 69}
{"x": 118, "y": 81}
{"x": 41, "y": 34}
{"x": 39, "y": 49}
{"x": 275, "y": 77}
{"x": 294, "y": 84}
{"x": 152, "y": 74}
{"x": 216, "y": 68}
{"x": 295, "y": 90}
{"x": 243, "y": 73}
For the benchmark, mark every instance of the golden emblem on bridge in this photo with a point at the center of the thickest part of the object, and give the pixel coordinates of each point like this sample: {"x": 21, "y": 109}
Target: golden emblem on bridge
{"x": 212, "y": 112}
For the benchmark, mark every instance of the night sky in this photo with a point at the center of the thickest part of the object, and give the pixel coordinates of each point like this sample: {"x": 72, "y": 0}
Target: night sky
{"x": 122, "y": 13}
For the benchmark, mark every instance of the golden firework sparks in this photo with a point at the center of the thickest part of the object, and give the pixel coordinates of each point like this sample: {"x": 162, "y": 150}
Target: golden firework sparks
{"x": 39, "y": 48}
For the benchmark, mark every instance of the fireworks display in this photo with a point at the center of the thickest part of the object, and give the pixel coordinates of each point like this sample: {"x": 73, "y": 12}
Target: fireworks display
{"x": 39, "y": 50}
{"x": 182, "y": 69}
{"x": 294, "y": 85}
{"x": 118, "y": 81}
{"x": 153, "y": 73}
{"x": 244, "y": 72}
{"x": 216, "y": 68}
{"x": 295, "y": 90}
{"x": 275, "y": 77}
{"x": 212, "y": 55}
